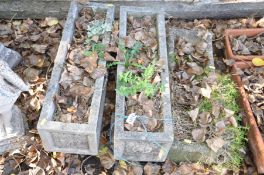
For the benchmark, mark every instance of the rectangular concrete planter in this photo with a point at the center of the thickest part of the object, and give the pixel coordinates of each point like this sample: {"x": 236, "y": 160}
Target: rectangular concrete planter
{"x": 142, "y": 146}
{"x": 182, "y": 151}
{"x": 73, "y": 137}
{"x": 238, "y": 32}
{"x": 255, "y": 139}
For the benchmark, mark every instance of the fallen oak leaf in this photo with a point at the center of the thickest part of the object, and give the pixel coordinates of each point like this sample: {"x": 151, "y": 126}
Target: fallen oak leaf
{"x": 151, "y": 169}
{"x": 51, "y": 21}
{"x": 220, "y": 126}
{"x": 194, "y": 68}
{"x": 31, "y": 74}
{"x": 98, "y": 72}
{"x": 40, "y": 48}
{"x": 108, "y": 57}
{"x": 148, "y": 107}
{"x": 259, "y": 23}
{"x": 66, "y": 80}
{"x": 81, "y": 90}
{"x": 216, "y": 107}
{"x": 89, "y": 63}
{"x": 206, "y": 92}
{"x": 107, "y": 160}
{"x": 135, "y": 170}
{"x": 199, "y": 135}
{"x": 119, "y": 171}
{"x": 232, "y": 120}
{"x": 152, "y": 124}
{"x": 194, "y": 114}
{"x": 215, "y": 143}
{"x": 205, "y": 118}
{"x": 36, "y": 60}
{"x": 228, "y": 112}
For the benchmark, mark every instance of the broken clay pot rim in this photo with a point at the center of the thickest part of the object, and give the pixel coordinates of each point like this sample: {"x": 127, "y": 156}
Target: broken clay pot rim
{"x": 238, "y": 32}
{"x": 256, "y": 142}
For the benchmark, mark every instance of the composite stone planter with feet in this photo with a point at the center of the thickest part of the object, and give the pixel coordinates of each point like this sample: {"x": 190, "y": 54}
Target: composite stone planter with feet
{"x": 255, "y": 139}
{"x": 236, "y": 33}
{"x": 144, "y": 146}
{"x": 180, "y": 150}
{"x": 74, "y": 137}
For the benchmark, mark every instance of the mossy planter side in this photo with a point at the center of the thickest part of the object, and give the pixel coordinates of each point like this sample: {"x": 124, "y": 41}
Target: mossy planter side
{"x": 238, "y": 32}
{"x": 255, "y": 139}
{"x": 73, "y": 137}
{"x": 141, "y": 146}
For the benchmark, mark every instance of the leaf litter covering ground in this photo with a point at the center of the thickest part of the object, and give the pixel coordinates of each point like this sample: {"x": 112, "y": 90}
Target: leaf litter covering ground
{"x": 141, "y": 81}
{"x": 253, "y": 80}
{"x": 37, "y": 41}
{"x": 204, "y": 103}
{"x": 244, "y": 45}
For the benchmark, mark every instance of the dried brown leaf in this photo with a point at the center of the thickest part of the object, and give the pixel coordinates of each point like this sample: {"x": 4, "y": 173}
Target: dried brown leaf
{"x": 98, "y": 72}
{"x": 151, "y": 169}
{"x": 206, "y": 92}
{"x": 199, "y": 135}
{"x": 194, "y": 114}
{"x": 81, "y": 90}
{"x": 107, "y": 161}
{"x": 215, "y": 143}
{"x": 220, "y": 126}
{"x": 31, "y": 74}
{"x": 89, "y": 63}
{"x": 205, "y": 118}
{"x": 194, "y": 69}
{"x": 40, "y": 48}
{"x": 216, "y": 107}
{"x": 148, "y": 107}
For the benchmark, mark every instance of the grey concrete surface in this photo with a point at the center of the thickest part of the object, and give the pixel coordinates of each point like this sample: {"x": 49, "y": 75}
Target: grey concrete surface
{"x": 142, "y": 146}
{"x": 181, "y": 151}
{"x": 15, "y": 140}
{"x": 12, "y": 57}
{"x": 73, "y": 137}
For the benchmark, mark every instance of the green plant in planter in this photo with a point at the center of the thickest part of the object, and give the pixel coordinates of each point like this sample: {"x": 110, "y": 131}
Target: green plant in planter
{"x": 130, "y": 83}
{"x": 129, "y": 53}
{"x": 99, "y": 48}
{"x": 97, "y": 27}
{"x": 236, "y": 147}
{"x": 225, "y": 93}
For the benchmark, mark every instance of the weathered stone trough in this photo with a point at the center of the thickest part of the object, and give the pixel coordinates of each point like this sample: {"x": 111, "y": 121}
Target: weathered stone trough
{"x": 180, "y": 150}
{"x": 144, "y": 146}
{"x": 73, "y": 137}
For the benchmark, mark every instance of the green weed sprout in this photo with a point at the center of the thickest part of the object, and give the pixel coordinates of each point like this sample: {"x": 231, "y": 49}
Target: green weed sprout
{"x": 130, "y": 84}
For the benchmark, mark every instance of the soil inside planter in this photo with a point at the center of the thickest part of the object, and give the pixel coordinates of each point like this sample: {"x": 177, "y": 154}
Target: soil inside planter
{"x": 253, "y": 80}
{"x": 81, "y": 68}
{"x": 187, "y": 78}
{"x": 204, "y": 104}
{"x": 244, "y": 45}
{"x": 143, "y": 89}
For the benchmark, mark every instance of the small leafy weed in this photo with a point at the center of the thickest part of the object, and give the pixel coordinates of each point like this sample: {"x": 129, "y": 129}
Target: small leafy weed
{"x": 130, "y": 83}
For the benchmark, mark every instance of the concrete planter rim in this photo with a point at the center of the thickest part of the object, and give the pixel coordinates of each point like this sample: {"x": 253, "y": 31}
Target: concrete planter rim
{"x": 189, "y": 35}
{"x": 166, "y": 136}
{"x": 46, "y": 124}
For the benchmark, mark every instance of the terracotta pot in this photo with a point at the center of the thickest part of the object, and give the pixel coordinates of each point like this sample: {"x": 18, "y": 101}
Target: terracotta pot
{"x": 238, "y": 32}
{"x": 255, "y": 139}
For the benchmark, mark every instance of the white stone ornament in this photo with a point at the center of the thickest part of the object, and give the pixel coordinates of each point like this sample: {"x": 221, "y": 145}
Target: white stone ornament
{"x": 11, "y": 85}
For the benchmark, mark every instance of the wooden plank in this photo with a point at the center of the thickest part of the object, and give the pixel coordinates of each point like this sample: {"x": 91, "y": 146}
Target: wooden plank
{"x": 187, "y": 9}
